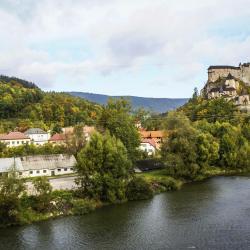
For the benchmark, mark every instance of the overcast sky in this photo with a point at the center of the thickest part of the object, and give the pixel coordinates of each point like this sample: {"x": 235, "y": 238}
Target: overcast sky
{"x": 156, "y": 48}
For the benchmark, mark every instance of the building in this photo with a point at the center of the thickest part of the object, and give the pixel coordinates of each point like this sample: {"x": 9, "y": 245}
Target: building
{"x": 40, "y": 165}
{"x": 87, "y": 131}
{"x": 242, "y": 72}
{"x": 14, "y": 139}
{"x": 37, "y": 136}
{"x": 58, "y": 139}
{"x": 9, "y": 164}
{"x": 156, "y": 136}
{"x": 148, "y": 146}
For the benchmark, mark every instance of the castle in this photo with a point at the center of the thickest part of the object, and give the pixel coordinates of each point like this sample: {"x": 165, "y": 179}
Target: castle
{"x": 241, "y": 73}
{"x": 232, "y": 83}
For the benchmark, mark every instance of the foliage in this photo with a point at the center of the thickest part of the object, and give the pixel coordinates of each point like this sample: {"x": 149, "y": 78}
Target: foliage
{"x": 43, "y": 191}
{"x": 104, "y": 168}
{"x": 28, "y": 105}
{"x": 31, "y": 149}
{"x": 139, "y": 189}
{"x": 116, "y": 117}
{"x": 83, "y": 206}
{"x": 11, "y": 189}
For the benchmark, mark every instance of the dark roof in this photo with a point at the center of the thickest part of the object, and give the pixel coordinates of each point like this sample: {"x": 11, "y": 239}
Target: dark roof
{"x": 214, "y": 89}
{"x": 230, "y": 77}
{"x": 32, "y": 131}
{"x": 223, "y": 67}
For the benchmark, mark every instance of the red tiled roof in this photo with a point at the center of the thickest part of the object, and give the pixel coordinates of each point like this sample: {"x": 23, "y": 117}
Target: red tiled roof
{"x": 57, "y": 137}
{"x": 152, "y": 134}
{"x": 14, "y": 136}
{"x": 150, "y": 141}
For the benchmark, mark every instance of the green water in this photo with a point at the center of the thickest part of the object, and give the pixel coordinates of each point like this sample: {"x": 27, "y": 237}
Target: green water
{"x": 214, "y": 214}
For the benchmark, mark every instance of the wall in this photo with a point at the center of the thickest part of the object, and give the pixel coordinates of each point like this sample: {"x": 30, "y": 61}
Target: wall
{"x": 27, "y": 173}
{"x": 39, "y": 139}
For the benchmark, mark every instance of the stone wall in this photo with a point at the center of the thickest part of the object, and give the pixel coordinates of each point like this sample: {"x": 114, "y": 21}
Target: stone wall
{"x": 242, "y": 72}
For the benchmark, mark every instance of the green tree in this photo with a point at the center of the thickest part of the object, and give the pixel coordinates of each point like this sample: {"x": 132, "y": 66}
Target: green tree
{"x": 43, "y": 191}
{"x": 104, "y": 168}
{"x": 11, "y": 190}
{"x": 117, "y": 118}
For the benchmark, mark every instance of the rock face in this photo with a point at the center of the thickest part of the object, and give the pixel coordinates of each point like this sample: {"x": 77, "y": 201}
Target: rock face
{"x": 241, "y": 73}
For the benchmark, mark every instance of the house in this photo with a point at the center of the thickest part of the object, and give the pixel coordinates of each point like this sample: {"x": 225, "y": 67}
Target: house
{"x": 14, "y": 139}
{"x": 87, "y": 131}
{"x": 37, "y": 136}
{"x": 148, "y": 146}
{"x": 58, "y": 139}
{"x": 39, "y": 165}
{"x": 9, "y": 164}
{"x": 156, "y": 136}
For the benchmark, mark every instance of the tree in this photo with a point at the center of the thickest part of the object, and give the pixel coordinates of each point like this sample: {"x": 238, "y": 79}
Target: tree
{"x": 11, "y": 189}
{"x": 117, "y": 118}
{"x": 104, "y": 168}
{"x": 43, "y": 193}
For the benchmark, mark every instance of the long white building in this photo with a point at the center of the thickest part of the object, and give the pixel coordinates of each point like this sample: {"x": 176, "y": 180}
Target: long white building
{"x": 39, "y": 165}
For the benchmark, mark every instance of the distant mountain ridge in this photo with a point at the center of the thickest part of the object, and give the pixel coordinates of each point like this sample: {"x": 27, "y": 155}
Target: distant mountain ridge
{"x": 158, "y": 105}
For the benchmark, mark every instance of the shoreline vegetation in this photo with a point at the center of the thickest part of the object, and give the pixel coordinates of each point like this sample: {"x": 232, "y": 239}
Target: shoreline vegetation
{"x": 64, "y": 203}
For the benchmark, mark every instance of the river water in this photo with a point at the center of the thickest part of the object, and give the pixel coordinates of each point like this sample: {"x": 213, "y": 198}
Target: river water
{"x": 214, "y": 214}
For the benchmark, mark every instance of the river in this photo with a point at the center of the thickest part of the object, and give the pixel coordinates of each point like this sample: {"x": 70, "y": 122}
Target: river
{"x": 214, "y": 214}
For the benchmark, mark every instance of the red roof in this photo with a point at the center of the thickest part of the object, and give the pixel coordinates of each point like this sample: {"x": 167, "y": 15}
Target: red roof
{"x": 14, "y": 136}
{"x": 150, "y": 141}
{"x": 152, "y": 134}
{"x": 57, "y": 137}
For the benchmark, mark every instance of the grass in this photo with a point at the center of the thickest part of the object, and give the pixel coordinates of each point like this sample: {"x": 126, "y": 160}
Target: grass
{"x": 160, "y": 181}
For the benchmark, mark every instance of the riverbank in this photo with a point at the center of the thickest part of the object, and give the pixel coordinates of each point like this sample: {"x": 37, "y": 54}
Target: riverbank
{"x": 69, "y": 203}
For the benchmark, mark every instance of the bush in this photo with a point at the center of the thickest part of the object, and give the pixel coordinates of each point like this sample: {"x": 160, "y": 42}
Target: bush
{"x": 83, "y": 206}
{"x": 139, "y": 189}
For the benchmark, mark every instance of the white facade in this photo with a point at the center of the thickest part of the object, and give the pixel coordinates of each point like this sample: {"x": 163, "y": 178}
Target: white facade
{"x": 14, "y": 139}
{"x": 37, "y": 136}
{"x": 148, "y": 148}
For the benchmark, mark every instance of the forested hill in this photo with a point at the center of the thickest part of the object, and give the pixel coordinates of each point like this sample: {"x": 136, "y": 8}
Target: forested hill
{"x": 16, "y": 81}
{"x": 158, "y": 105}
{"x": 23, "y": 104}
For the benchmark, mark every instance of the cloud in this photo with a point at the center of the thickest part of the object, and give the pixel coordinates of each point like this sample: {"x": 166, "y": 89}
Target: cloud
{"x": 179, "y": 38}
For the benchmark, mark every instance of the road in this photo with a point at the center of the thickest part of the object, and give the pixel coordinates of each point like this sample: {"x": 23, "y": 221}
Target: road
{"x": 60, "y": 183}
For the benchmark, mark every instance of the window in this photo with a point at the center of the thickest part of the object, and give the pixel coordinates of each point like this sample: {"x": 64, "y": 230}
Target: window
{"x": 65, "y": 169}
{"x": 59, "y": 170}
{"x": 20, "y": 173}
{"x": 17, "y": 142}
{"x": 71, "y": 169}
{"x": 13, "y": 142}
{"x": 37, "y": 171}
{"x": 31, "y": 172}
{"x": 22, "y": 142}
{"x": 44, "y": 171}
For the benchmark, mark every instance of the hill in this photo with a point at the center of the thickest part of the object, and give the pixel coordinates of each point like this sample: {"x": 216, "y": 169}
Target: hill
{"x": 23, "y": 105}
{"x": 158, "y": 105}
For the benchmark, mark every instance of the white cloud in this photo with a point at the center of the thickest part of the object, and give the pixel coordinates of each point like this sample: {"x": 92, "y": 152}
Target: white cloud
{"x": 121, "y": 35}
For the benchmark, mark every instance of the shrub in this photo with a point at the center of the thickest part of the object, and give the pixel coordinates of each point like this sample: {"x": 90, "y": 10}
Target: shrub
{"x": 83, "y": 206}
{"x": 139, "y": 189}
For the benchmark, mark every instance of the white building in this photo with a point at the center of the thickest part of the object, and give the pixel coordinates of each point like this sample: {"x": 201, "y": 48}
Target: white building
{"x": 148, "y": 146}
{"x": 40, "y": 165}
{"x": 37, "y": 136}
{"x": 14, "y": 139}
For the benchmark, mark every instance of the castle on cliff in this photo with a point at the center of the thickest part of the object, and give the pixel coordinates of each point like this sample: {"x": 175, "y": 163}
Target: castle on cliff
{"x": 241, "y": 73}
{"x": 230, "y": 82}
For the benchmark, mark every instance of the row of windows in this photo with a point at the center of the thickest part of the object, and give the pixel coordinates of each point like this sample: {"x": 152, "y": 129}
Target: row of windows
{"x": 45, "y": 171}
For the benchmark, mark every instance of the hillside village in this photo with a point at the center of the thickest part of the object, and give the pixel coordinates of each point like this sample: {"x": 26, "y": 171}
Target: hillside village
{"x": 229, "y": 82}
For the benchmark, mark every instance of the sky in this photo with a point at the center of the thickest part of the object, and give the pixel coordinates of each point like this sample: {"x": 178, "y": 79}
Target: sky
{"x": 159, "y": 48}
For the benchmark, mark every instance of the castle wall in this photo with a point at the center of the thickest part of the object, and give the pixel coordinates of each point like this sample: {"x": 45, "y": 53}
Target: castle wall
{"x": 214, "y": 74}
{"x": 245, "y": 74}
